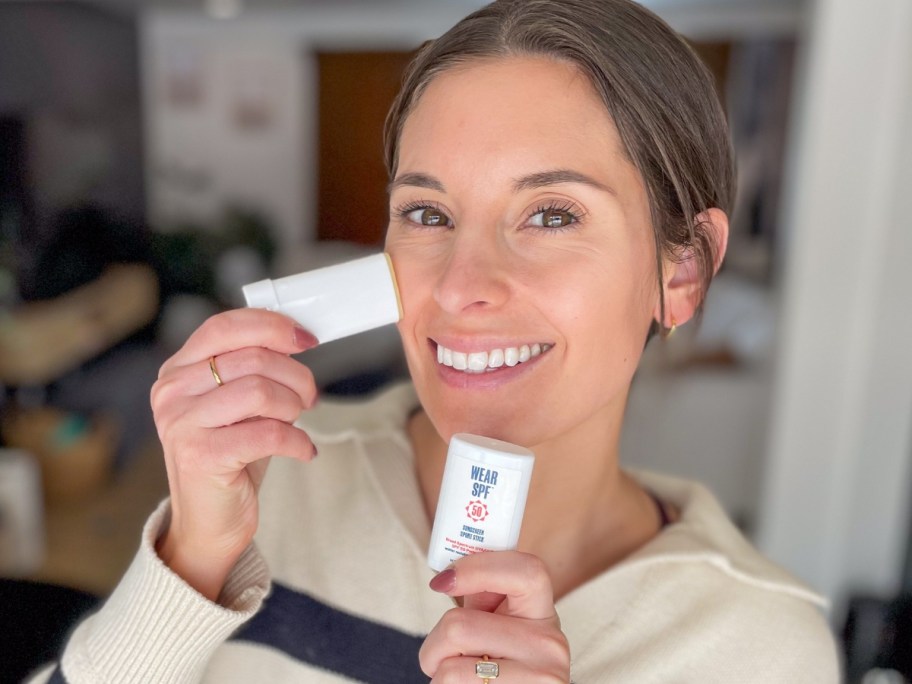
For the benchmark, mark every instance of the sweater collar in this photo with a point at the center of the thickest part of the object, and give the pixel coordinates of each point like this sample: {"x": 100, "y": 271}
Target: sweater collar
{"x": 703, "y": 533}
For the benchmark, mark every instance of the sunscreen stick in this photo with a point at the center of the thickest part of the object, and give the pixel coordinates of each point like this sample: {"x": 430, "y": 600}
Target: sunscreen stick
{"x": 482, "y": 498}
{"x": 335, "y": 301}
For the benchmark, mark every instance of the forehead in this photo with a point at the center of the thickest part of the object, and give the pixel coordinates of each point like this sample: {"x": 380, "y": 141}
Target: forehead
{"x": 503, "y": 112}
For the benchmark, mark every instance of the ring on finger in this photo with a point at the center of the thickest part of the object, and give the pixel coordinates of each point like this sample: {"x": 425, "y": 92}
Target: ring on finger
{"x": 215, "y": 373}
{"x": 487, "y": 669}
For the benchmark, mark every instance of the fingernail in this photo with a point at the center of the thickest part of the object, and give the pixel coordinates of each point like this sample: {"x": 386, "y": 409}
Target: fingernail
{"x": 444, "y": 581}
{"x": 316, "y": 453}
{"x": 303, "y": 339}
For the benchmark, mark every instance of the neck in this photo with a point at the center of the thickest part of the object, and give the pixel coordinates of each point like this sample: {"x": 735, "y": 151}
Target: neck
{"x": 605, "y": 517}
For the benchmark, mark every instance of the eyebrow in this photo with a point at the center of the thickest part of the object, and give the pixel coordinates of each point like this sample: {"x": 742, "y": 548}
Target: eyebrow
{"x": 418, "y": 180}
{"x": 530, "y": 182}
{"x": 556, "y": 177}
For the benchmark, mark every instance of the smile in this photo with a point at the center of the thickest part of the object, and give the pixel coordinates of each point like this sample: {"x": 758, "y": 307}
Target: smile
{"x": 491, "y": 360}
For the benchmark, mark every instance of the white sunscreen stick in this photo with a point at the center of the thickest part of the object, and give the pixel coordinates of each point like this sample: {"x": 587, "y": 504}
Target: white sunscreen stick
{"x": 335, "y": 301}
{"x": 482, "y": 498}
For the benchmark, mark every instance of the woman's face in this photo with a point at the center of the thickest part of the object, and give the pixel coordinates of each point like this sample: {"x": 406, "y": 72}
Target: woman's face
{"x": 515, "y": 222}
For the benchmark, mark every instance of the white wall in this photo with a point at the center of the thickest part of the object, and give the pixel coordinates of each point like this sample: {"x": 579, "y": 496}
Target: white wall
{"x": 835, "y": 506}
{"x": 197, "y": 159}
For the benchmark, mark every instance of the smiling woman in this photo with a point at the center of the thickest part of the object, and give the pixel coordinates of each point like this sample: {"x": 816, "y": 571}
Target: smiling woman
{"x": 488, "y": 274}
{"x": 560, "y": 177}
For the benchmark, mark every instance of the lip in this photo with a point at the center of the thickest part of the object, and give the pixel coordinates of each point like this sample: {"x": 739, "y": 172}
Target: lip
{"x": 481, "y": 381}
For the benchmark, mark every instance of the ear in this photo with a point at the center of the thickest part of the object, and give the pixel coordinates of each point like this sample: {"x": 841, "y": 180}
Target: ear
{"x": 681, "y": 275}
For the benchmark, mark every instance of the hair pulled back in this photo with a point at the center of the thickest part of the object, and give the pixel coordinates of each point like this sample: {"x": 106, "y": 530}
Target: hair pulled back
{"x": 657, "y": 91}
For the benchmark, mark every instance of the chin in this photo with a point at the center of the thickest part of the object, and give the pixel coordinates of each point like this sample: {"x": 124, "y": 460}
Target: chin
{"x": 514, "y": 426}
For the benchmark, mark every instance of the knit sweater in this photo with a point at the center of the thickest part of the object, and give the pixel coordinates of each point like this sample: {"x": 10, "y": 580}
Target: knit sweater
{"x": 335, "y": 589}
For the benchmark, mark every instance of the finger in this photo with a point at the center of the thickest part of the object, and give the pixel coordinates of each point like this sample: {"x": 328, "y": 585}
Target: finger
{"x": 170, "y": 393}
{"x": 486, "y": 601}
{"x": 230, "y": 449}
{"x": 521, "y": 578}
{"x": 462, "y": 630}
{"x": 461, "y": 670}
{"x": 199, "y": 379}
{"x": 241, "y": 328}
{"x": 251, "y": 396}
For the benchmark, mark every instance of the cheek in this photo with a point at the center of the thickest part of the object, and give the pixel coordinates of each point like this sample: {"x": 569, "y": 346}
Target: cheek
{"x": 415, "y": 278}
{"x": 602, "y": 308}
{"x": 595, "y": 288}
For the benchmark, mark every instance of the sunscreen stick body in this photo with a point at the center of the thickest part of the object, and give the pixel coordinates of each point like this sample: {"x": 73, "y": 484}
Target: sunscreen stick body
{"x": 335, "y": 301}
{"x": 482, "y": 498}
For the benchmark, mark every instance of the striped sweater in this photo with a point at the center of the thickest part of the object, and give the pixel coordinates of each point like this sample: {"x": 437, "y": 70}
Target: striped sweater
{"x": 335, "y": 588}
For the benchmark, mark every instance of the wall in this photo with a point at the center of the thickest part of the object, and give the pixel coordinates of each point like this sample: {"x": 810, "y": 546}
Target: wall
{"x": 837, "y": 487}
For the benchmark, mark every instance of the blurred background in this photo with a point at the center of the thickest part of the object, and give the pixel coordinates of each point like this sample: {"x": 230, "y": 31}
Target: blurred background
{"x": 155, "y": 155}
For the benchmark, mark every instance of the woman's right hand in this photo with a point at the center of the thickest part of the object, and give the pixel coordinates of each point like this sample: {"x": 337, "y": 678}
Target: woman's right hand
{"x": 217, "y": 440}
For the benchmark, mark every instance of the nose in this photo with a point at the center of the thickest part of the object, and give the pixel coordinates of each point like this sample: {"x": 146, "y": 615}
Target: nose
{"x": 475, "y": 276}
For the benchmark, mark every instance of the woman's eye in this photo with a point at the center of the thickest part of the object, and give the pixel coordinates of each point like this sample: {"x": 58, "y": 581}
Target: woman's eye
{"x": 428, "y": 216}
{"x": 552, "y": 218}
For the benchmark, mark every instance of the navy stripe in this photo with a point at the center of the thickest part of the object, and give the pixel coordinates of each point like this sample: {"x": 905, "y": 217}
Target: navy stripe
{"x": 57, "y": 676}
{"x": 312, "y": 632}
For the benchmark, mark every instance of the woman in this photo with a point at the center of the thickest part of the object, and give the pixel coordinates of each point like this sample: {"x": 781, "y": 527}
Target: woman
{"x": 560, "y": 179}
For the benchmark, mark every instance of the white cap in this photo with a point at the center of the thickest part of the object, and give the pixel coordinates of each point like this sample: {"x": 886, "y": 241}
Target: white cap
{"x": 476, "y": 448}
{"x": 261, "y": 295}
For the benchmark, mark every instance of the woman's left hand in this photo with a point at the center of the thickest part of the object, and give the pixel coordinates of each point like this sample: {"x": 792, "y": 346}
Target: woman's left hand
{"x": 507, "y": 615}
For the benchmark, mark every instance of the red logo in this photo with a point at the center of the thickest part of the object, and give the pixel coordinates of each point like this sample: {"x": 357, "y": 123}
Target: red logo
{"x": 477, "y": 511}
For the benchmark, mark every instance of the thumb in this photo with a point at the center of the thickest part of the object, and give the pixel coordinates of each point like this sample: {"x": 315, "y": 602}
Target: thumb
{"x": 486, "y": 601}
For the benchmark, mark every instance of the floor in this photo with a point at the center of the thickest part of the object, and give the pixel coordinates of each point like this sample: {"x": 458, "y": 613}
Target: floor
{"x": 90, "y": 543}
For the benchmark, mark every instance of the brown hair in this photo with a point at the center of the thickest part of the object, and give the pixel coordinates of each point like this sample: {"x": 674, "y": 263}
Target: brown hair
{"x": 658, "y": 92}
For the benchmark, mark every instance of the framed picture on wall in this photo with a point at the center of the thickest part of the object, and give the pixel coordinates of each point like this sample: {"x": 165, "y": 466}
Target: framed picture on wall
{"x": 253, "y": 94}
{"x": 184, "y": 77}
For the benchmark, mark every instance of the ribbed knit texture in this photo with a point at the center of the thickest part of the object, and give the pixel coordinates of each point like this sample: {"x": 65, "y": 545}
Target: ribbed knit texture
{"x": 156, "y": 628}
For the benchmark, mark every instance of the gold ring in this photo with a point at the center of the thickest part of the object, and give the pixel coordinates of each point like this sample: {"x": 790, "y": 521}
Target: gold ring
{"x": 487, "y": 669}
{"x": 215, "y": 373}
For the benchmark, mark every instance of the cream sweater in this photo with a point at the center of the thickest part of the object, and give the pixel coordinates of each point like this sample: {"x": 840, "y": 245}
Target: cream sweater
{"x": 344, "y": 539}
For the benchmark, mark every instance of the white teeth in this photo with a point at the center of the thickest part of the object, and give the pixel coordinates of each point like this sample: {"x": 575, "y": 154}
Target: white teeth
{"x": 480, "y": 362}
